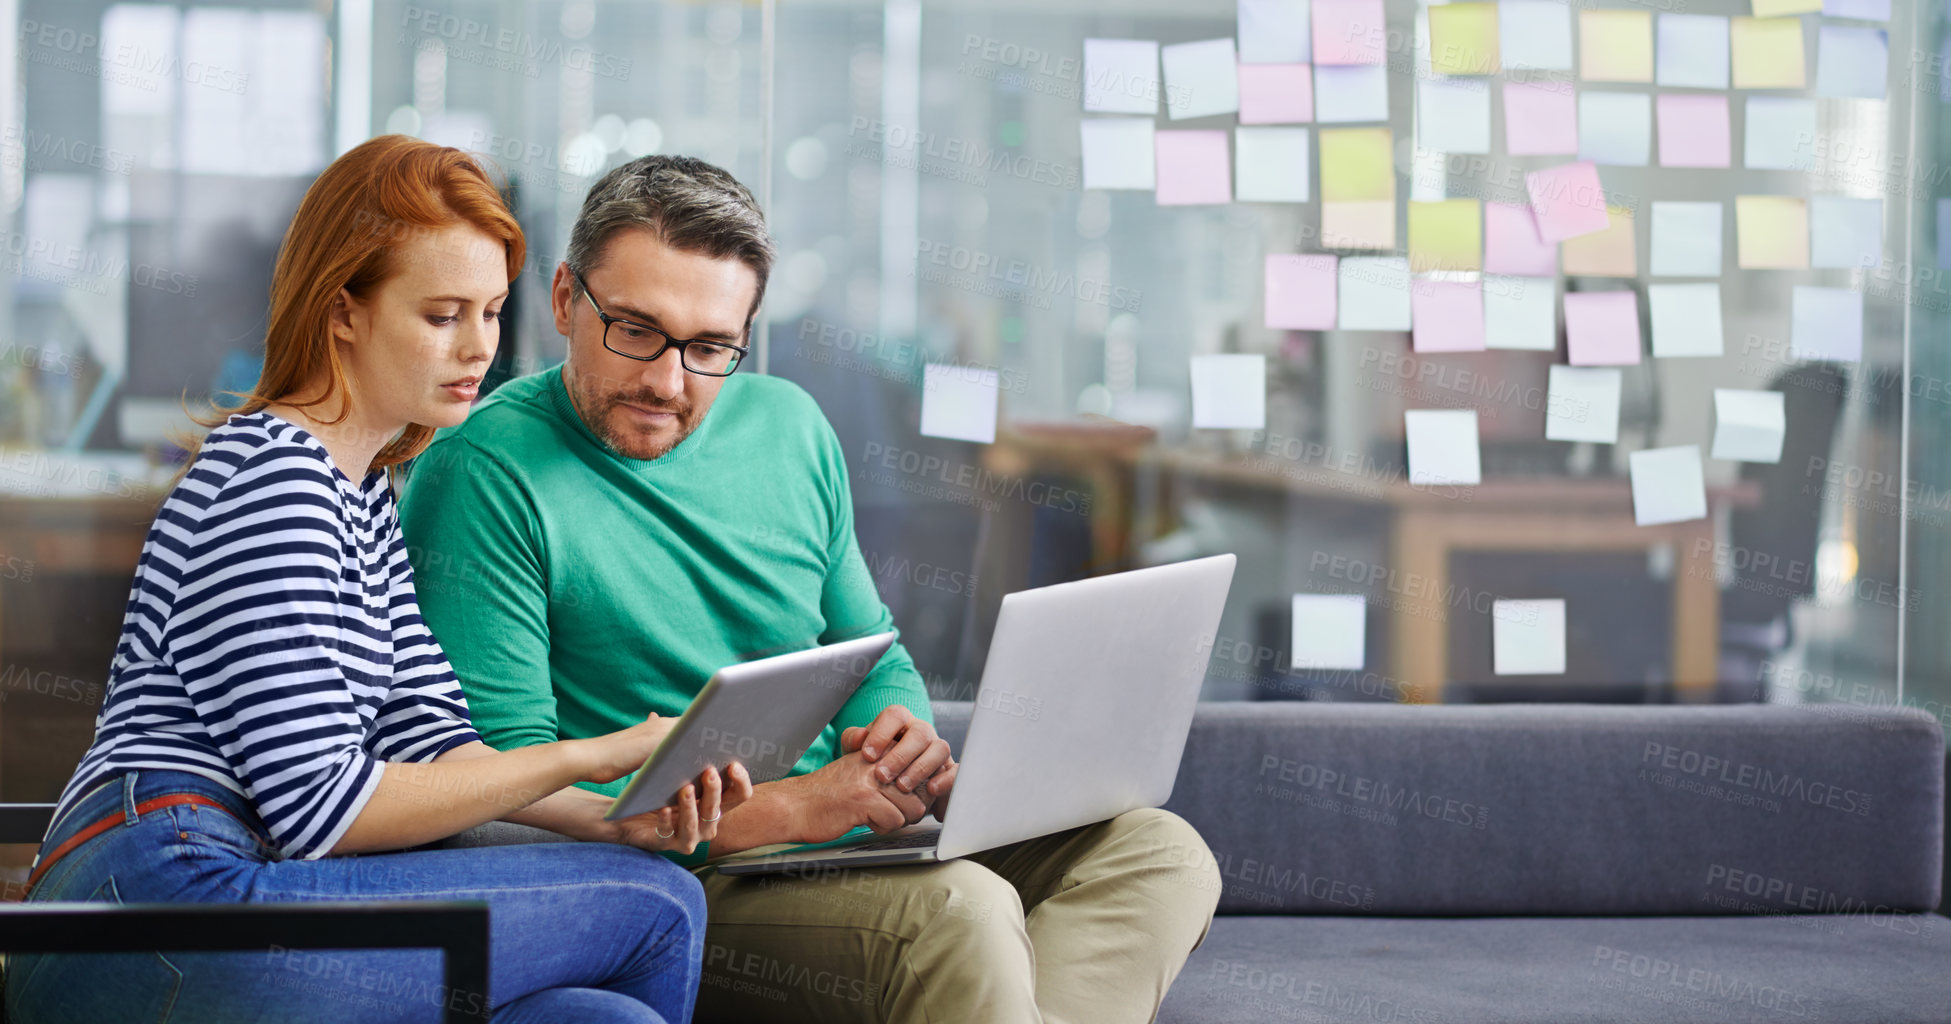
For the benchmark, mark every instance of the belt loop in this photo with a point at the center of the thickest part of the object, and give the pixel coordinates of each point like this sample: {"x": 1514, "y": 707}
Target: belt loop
{"x": 129, "y": 816}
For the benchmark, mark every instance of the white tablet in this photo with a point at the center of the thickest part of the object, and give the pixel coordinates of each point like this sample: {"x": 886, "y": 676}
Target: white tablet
{"x": 762, "y": 714}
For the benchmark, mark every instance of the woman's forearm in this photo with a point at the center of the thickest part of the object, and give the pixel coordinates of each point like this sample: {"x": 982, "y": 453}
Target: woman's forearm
{"x": 418, "y": 803}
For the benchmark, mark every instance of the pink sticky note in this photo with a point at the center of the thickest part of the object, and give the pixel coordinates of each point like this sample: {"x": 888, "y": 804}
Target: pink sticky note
{"x": 1192, "y": 168}
{"x": 1301, "y": 291}
{"x": 1276, "y": 93}
{"x": 1446, "y": 316}
{"x": 1602, "y": 328}
{"x": 1348, "y": 31}
{"x": 1512, "y": 245}
{"x": 1540, "y": 119}
{"x": 1693, "y": 129}
{"x": 1566, "y": 199}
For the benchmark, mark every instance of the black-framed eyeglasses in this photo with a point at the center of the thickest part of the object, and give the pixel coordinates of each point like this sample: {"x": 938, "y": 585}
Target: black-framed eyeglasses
{"x": 633, "y": 340}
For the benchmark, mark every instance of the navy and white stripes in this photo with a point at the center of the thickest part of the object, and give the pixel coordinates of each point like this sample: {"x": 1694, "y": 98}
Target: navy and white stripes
{"x": 272, "y": 640}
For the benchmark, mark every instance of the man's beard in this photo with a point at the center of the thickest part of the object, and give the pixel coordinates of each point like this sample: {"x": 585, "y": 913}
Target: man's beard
{"x": 604, "y": 411}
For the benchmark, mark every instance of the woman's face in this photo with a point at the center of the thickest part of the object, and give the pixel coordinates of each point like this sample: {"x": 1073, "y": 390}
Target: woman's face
{"x": 414, "y": 350}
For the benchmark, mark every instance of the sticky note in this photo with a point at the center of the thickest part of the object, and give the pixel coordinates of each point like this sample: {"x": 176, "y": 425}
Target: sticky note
{"x": 1118, "y": 153}
{"x": 1356, "y": 92}
{"x": 1686, "y": 319}
{"x": 1615, "y": 46}
{"x": 1330, "y": 631}
{"x": 1229, "y": 392}
{"x": 1861, "y": 10}
{"x": 1602, "y": 328}
{"x": 1780, "y": 134}
{"x": 1356, "y": 164}
{"x": 1448, "y": 315}
{"x": 1668, "y": 485}
{"x": 1771, "y": 232}
{"x": 1201, "y": 79}
{"x": 1777, "y": 8}
{"x": 1300, "y": 291}
{"x": 1852, "y": 61}
{"x": 1192, "y": 168}
{"x": 1767, "y": 53}
{"x": 1582, "y": 404}
{"x": 1944, "y": 233}
{"x": 1274, "y": 32}
{"x": 1446, "y": 234}
{"x": 1535, "y": 34}
{"x": 1374, "y": 293}
{"x": 1749, "y": 426}
{"x": 1442, "y": 446}
{"x": 1693, "y": 51}
{"x": 1567, "y": 200}
{"x": 1694, "y": 130}
{"x": 1615, "y": 128}
{"x": 1512, "y": 245}
{"x": 1527, "y": 638}
{"x": 1540, "y": 119}
{"x": 1453, "y": 116}
{"x": 1608, "y": 253}
{"x": 1121, "y": 76}
{"x": 1276, "y": 93}
{"x": 1273, "y": 165}
{"x": 958, "y": 402}
{"x": 1845, "y": 232}
{"x": 1686, "y": 239}
{"x": 1825, "y": 323}
{"x": 1463, "y": 38}
{"x": 1348, "y": 31}
{"x": 1520, "y": 313}
{"x": 1362, "y": 225}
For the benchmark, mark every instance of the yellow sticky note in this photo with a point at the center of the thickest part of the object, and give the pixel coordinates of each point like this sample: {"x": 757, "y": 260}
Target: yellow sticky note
{"x": 1359, "y": 225}
{"x": 1446, "y": 235}
{"x": 1463, "y": 39}
{"x": 1767, "y": 53}
{"x": 1772, "y": 8}
{"x": 1608, "y": 253}
{"x": 1771, "y": 232}
{"x": 1615, "y": 46}
{"x": 1357, "y": 164}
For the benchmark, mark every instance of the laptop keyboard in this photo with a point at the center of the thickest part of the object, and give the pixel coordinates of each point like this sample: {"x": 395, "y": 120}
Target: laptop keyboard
{"x": 909, "y": 842}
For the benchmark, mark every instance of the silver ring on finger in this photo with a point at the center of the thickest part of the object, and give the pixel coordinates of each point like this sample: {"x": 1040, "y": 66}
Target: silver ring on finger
{"x": 715, "y": 817}
{"x": 661, "y": 834}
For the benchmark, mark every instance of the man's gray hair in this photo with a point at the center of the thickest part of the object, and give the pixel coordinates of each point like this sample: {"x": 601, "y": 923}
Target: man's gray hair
{"x": 690, "y": 205}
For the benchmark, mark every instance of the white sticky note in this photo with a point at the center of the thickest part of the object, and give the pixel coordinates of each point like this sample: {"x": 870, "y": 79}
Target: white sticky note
{"x": 1861, "y": 10}
{"x": 1749, "y": 426}
{"x": 1845, "y": 232}
{"x": 1271, "y": 165}
{"x": 1121, "y": 76}
{"x": 1274, "y": 32}
{"x": 1693, "y": 51}
{"x": 1582, "y": 404}
{"x": 958, "y": 402}
{"x": 1118, "y": 153}
{"x": 1347, "y": 93}
{"x": 1615, "y": 128}
{"x": 1780, "y": 134}
{"x": 1852, "y": 61}
{"x": 1229, "y": 391}
{"x": 1453, "y": 115}
{"x": 1686, "y": 319}
{"x": 1527, "y": 638}
{"x": 1330, "y": 631}
{"x": 1825, "y": 323}
{"x": 1442, "y": 446}
{"x": 1668, "y": 485}
{"x": 1535, "y": 34}
{"x": 1520, "y": 312}
{"x": 1373, "y": 293}
{"x": 1686, "y": 239}
{"x": 1201, "y": 79}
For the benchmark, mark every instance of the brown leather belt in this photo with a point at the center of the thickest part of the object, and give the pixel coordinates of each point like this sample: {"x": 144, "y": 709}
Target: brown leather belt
{"x": 112, "y": 820}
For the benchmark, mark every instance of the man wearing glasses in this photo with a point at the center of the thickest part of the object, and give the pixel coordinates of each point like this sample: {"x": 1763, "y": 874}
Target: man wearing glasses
{"x": 598, "y": 538}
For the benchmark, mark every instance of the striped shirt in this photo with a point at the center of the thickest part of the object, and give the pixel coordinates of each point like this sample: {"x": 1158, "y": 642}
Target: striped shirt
{"x": 273, "y": 642}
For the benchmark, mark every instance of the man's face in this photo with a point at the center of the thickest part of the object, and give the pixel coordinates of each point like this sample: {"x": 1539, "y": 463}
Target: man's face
{"x": 643, "y": 409}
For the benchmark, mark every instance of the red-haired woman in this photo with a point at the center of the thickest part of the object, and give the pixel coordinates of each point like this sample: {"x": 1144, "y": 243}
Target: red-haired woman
{"x": 277, "y": 706}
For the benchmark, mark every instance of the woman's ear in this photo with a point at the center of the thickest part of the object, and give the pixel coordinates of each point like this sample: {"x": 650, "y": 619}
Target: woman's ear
{"x": 347, "y": 317}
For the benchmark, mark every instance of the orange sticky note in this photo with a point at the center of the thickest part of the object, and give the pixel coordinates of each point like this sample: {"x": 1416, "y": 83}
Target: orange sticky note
{"x": 1463, "y": 39}
{"x": 1608, "y": 253}
{"x": 1615, "y": 46}
{"x": 1771, "y": 232}
{"x": 1767, "y": 53}
{"x": 1369, "y": 225}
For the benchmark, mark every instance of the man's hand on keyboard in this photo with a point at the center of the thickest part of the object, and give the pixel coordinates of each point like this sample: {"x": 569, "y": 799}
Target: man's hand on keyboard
{"x": 830, "y": 802}
{"x": 907, "y": 754}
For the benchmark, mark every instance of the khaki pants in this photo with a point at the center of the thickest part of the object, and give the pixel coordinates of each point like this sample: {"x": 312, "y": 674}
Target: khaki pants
{"x": 1087, "y": 926}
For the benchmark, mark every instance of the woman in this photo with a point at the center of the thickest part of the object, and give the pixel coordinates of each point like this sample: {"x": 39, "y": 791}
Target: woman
{"x": 277, "y": 707}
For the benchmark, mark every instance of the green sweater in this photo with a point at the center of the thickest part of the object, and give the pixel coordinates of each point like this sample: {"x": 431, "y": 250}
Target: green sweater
{"x": 576, "y": 590}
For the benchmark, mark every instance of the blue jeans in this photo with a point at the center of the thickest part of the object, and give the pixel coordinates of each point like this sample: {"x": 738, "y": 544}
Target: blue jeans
{"x": 586, "y": 932}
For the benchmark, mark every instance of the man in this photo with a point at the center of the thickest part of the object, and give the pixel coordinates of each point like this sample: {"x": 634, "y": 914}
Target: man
{"x": 598, "y": 538}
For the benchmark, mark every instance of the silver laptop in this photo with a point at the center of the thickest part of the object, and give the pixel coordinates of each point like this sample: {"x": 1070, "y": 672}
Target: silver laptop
{"x": 1081, "y": 715}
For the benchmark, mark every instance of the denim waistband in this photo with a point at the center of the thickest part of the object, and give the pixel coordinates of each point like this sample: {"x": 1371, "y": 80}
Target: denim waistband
{"x": 126, "y": 789}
